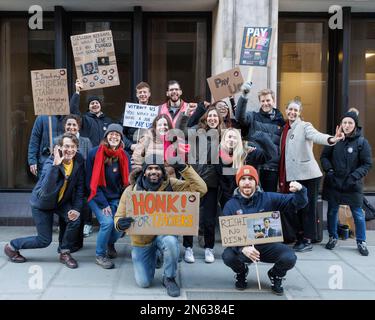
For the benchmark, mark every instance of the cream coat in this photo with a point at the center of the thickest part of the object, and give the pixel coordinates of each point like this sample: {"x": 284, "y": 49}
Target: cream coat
{"x": 299, "y": 158}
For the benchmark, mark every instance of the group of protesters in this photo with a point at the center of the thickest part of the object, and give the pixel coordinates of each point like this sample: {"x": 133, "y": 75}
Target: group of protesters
{"x": 250, "y": 162}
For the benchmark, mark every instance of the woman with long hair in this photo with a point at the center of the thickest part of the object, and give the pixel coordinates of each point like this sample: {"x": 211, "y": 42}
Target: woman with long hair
{"x": 107, "y": 171}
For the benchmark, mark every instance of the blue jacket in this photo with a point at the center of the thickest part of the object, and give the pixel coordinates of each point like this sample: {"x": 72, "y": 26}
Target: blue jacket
{"x": 39, "y": 143}
{"x": 114, "y": 188}
{"x": 45, "y": 194}
{"x": 93, "y": 127}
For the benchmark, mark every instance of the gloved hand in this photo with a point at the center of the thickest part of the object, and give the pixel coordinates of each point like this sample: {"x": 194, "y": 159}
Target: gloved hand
{"x": 179, "y": 166}
{"x": 124, "y": 223}
{"x": 245, "y": 88}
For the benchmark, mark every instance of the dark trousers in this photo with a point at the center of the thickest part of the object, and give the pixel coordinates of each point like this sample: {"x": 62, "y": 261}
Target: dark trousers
{"x": 281, "y": 255}
{"x": 208, "y": 213}
{"x": 306, "y": 217}
{"x": 268, "y": 180}
{"x": 43, "y": 220}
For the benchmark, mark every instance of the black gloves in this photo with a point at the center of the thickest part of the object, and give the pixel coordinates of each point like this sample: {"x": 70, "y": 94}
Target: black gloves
{"x": 124, "y": 223}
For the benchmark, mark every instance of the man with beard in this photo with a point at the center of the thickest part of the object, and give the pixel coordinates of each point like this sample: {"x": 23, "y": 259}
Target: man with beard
{"x": 175, "y": 107}
{"x": 153, "y": 177}
{"x": 248, "y": 199}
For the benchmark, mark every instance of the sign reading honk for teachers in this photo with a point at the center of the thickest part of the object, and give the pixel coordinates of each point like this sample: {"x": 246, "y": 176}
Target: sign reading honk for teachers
{"x": 156, "y": 213}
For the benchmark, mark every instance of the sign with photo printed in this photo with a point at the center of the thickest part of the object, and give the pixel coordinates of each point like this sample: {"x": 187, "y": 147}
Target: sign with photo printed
{"x": 248, "y": 229}
{"x": 95, "y": 60}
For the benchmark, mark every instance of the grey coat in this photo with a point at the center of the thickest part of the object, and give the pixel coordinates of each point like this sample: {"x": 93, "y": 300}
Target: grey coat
{"x": 300, "y": 163}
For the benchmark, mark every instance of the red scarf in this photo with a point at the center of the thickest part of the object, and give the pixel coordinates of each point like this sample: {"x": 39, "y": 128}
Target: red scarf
{"x": 98, "y": 172}
{"x": 283, "y": 184}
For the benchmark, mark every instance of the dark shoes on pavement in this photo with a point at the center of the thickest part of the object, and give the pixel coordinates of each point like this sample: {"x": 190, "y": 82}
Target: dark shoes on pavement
{"x": 302, "y": 246}
{"x": 111, "y": 251}
{"x": 104, "y": 262}
{"x": 68, "y": 260}
{"x": 241, "y": 279}
{"x": 276, "y": 286}
{"x": 172, "y": 287}
{"x": 331, "y": 243}
{"x": 362, "y": 247}
{"x": 13, "y": 255}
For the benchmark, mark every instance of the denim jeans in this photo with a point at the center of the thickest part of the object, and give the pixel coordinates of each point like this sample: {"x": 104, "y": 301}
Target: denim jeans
{"x": 107, "y": 232}
{"x": 281, "y": 255}
{"x": 43, "y": 220}
{"x": 359, "y": 221}
{"x": 144, "y": 259}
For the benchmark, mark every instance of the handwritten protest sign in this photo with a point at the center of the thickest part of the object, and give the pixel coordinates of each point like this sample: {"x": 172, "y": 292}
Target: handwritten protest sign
{"x": 158, "y": 213}
{"x": 95, "y": 59}
{"x": 50, "y": 92}
{"x": 255, "y": 46}
{"x": 249, "y": 229}
{"x": 225, "y": 84}
{"x": 139, "y": 115}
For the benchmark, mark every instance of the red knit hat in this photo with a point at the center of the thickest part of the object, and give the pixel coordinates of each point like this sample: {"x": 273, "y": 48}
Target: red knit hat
{"x": 247, "y": 171}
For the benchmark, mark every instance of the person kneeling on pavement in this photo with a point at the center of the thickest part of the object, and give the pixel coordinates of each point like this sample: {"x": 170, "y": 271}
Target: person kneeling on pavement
{"x": 248, "y": 199}
{"x": 59, "y": 190}
{"x": 153, "y": 177}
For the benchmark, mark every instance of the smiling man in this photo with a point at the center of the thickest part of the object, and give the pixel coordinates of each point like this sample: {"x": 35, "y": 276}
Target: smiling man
{"x": 248, "y": 199}
{"x": 59, "y": 190}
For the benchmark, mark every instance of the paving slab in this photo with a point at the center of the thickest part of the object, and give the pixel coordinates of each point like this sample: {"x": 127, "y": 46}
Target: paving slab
{"x": 77, "y": 293}
{"x": 347, "y": 295}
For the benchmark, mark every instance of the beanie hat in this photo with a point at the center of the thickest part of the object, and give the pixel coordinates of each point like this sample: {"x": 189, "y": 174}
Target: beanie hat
{"x": 247, "y": 171}
{"x": 92, "y": 98}
{"x": 154, "y": 159}
{"x": 114, "y": 127}
{"x": 353, "y": 115}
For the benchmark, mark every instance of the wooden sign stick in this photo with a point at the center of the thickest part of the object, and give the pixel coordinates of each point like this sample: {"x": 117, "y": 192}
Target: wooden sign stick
{"x": 250, "y": 74}
{"x": 257, "y": 272}
{"x": 50, "y": 134}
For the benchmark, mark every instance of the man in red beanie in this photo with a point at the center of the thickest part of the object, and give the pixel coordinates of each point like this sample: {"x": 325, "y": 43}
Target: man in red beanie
{"x": 248, "y": 199}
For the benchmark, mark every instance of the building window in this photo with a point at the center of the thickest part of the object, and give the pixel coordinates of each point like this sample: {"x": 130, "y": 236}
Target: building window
{"x": 362, "y": 82}
{"x": 21, "y": 50}
{"x": 114, "y": 98}
{"x": 177, "y": 50}
{"x": 303, "y": 69}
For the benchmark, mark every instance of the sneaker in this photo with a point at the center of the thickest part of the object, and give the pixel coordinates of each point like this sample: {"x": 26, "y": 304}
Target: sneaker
{"x": 241, "y": 279}
{"x": 331, "y": 243}
{"x": 104, "y": 262}
{"x": 189, "y": 255}
{"x": 303, "y": 247}
{"x": 362, "y": 247}
{"x": 298, "y": 245}
{"x": 87, "y": 230}
{"x": 276, "y": 286}
{"x": 172, "y": 287}
{"x": 111, "y": 251}
{"x": 209, "y": 255}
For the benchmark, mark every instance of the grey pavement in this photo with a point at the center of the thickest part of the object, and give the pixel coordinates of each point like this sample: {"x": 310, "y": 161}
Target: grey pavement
{"x": 319, "y": 275}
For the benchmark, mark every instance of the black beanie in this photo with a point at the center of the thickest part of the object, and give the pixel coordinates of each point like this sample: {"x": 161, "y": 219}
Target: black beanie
{"x": 353, "y": 115}
{"x": 154, "y": 159}
{"x": 92, "y": 98}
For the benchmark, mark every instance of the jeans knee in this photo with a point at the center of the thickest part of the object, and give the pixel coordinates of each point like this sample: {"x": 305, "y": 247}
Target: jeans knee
{"x": 288, "y": 260}
{"x": 44, "y": 242}
{"x": 143, "y": 282}
{"x": 228, "y": 256}
{"x": 107, "y": 225}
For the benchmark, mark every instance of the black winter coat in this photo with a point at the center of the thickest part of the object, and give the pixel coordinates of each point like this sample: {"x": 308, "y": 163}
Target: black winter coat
{"x": 346, "y": 164}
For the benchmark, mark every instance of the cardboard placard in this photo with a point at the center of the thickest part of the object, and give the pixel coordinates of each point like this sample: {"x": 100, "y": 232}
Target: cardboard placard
{"x": 139, "y": 115}
{"x": 50, "y": 91}
{"x": 95, "y": 60}
{"x": 156, "y": 213}
{"x": 255, "y": 46}
{"x": 225, "y": 84}
{"x": 248, "y": 229}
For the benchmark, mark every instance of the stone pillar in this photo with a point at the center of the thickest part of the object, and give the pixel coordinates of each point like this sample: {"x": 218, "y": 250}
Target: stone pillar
{"x": 229, "y": 19}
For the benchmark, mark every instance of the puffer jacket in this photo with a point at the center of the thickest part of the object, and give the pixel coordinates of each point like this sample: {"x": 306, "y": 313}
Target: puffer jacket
{"x": 346, "y": 164}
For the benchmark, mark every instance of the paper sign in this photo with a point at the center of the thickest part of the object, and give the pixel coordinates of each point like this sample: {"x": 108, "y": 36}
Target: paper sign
{"x": 50, "y": 92}
{"x": 247, "y": 229}
{"x": 155, "y": 213}
{"x": 255, "y": 46}
{"x": 225, "y": 84}
{"x": 139, "y": 115}
{"x": 95, "y": 59}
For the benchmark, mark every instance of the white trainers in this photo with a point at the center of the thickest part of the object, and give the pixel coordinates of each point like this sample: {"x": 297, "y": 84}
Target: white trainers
{"x": 189, "y": 255}
{"x": 209, "y": 255}
{"x": 87, "y": 230}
